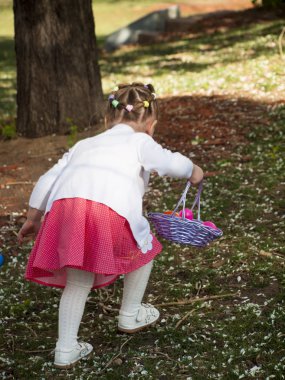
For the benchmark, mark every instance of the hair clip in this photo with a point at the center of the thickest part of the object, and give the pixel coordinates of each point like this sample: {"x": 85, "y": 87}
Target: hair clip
{"x": 146, "y": 86}
{"x": 116, "y": 88}
{"x": 145, "y": 104}
{"x": 129, "y": 107}
{"x": 154, "y": 95}
{"x": 111, "y": 97}
{"x": 115, "y": 103}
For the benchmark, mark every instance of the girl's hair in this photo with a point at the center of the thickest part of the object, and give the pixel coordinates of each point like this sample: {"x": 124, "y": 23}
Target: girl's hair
{"x": 132, "y": 104}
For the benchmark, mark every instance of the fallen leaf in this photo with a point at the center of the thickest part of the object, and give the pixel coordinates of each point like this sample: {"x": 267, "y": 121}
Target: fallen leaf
{"x": 265, "y": 254}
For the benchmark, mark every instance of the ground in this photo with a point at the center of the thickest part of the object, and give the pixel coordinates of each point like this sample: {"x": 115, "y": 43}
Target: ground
{"x": 221, "y": 97}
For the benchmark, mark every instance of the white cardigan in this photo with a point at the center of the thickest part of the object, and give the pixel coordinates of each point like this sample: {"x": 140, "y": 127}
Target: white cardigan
{"x": 111, "y": 168}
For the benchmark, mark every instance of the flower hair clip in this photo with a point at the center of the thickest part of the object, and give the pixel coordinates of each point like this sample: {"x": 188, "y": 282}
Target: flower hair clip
{"x": 148, "y": 87}
{"x": 129, "y": 107}
{"x": 111, "y": 97}
{"x": 145, "y": 104}
{"x": 115, "y": 103}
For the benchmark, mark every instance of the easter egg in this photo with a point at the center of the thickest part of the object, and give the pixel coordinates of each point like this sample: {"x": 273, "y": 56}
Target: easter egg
{"x": 210, "y": 224}
{"x": 1, "y": 259}
{"x": 188, "y": 214}
{"x": 170, "y": 212}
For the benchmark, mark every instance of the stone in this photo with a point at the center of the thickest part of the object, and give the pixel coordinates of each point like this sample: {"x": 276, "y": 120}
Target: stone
{"x": 151, "y": 23}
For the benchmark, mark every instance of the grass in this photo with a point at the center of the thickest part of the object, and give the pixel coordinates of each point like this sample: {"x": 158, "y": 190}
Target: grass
{"x": 117, "y": 14}
{"x": 242, "y": 59}
{"x": 229, "y": 338}
{"x": 240, "y": 336}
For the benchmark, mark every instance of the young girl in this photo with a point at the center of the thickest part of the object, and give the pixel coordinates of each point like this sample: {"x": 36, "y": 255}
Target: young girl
{"x": 94, "y": 229}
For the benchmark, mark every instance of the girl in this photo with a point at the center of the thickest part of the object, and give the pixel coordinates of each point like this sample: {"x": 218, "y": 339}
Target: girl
{"x": 94, "y": 230}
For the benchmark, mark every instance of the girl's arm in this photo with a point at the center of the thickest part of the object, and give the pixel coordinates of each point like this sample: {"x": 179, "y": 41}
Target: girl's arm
{"x": 154, "y": 157}
{"x": 39, "y": 197}
{"x": 42, "y": 189}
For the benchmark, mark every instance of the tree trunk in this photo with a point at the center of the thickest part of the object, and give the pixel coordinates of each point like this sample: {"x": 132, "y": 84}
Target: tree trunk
{"x": 58, "y": 77}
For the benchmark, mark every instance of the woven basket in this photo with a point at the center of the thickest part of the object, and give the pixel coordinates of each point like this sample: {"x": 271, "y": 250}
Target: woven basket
{"x": 182, "y": 230}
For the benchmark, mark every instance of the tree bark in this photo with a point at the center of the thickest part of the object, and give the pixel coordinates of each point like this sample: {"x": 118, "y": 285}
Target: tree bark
{"x": 58, "y": 76}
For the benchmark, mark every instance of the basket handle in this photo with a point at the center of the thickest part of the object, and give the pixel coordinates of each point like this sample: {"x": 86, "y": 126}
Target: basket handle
{"x": 183, "y": 200}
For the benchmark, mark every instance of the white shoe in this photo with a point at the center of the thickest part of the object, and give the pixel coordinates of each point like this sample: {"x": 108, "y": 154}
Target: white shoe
{"x": 130, "y": 323}
{"x": 67, "y": 358}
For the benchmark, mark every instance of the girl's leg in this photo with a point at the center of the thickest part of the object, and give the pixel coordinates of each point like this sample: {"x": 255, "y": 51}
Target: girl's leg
{"x": 133, "y": 314}
{"x": 134, "y": 287}
{"x": 71, "y": 307}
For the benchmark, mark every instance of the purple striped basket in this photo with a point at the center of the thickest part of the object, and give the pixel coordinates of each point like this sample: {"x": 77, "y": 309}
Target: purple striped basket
{"x": 182, "y": 230}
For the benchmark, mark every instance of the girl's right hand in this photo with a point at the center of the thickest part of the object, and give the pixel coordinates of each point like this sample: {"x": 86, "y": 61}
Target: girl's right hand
{"x": 29, "y": 229}
{"x": 197, "y": 175}
{"x": 32, "y": 225}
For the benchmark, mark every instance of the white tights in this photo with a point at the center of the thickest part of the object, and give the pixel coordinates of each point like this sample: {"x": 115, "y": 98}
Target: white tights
{"x": 74, "y": 296}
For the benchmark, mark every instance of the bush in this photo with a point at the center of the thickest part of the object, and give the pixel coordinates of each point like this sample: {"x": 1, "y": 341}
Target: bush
{"x": 9, "y": 132}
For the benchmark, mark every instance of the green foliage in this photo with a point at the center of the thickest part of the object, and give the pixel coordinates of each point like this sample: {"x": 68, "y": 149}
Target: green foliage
{"x": 9, "y": 132}
{"x": 72, "y": 137}
{"x": 20, "y": 308}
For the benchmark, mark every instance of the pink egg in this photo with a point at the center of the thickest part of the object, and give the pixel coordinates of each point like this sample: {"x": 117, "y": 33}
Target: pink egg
{"x": 188, "y": 214}
{"x": 210, "y": 224}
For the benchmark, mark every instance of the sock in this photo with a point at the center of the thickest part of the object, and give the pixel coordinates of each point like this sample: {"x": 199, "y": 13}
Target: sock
{"x": 71, "y": 307}
{"x": 134, "y": 287}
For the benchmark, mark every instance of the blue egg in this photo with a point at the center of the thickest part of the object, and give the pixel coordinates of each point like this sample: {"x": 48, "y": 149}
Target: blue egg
{"x": 1, "y": 260}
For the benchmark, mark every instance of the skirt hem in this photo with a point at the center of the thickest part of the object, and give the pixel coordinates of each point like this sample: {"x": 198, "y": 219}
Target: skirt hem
{"x": 63, "y": 286}
{"x": 118, "y": 274}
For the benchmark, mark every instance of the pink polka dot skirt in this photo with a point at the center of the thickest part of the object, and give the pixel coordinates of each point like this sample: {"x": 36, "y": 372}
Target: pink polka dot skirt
{"x": 83, "y": 234}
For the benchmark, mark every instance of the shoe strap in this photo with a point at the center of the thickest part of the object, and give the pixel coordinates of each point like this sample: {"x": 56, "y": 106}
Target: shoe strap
{"x": 84, "y": 348}
{"x": 146, "y": 311}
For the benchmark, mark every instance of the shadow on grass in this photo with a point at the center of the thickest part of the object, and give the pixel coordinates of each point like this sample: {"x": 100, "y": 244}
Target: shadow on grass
{"x": 236, "y": 19}
{"x": 219, "y": 41}
{"x": 255, "y": 39}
